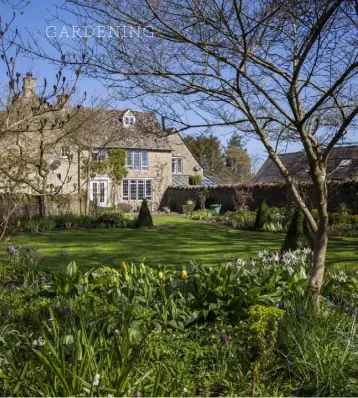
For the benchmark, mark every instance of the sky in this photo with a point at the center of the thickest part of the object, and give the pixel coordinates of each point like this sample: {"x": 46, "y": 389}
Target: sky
{"x": 36, "y": 17}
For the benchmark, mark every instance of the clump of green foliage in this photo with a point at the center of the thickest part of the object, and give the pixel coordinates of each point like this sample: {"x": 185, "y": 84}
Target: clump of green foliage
{"x": 195, "y": 179}
{"x": 188, "y": 207}
{"x": 299, "y": 233}
{"x": 114, "y": 165}
{"x": 236, "y": 329}
{"x": 261, "y": 215}
{"x": 144, "y": 218}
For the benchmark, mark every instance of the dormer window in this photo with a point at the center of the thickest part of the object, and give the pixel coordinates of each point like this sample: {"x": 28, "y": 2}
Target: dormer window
{"x": 128, "y": 119}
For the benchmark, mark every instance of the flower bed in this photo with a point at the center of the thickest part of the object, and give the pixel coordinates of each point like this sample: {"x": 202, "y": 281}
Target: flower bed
{"x": 237, "y": 328}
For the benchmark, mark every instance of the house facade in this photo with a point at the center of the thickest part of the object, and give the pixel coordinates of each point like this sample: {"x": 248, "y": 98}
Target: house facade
{"x": 155, "y": 157}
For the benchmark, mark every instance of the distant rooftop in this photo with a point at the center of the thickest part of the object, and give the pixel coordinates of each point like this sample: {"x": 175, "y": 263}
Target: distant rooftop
{"x": 342, "y": 164}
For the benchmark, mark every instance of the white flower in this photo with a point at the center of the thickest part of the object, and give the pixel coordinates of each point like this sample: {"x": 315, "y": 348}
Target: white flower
{"x": 110, "y": 396}
{"x": 35, "y": 343}
{"x": 41, "y": 341}
{"x": 96, "y": 380}
{"x": 185, "y": 390}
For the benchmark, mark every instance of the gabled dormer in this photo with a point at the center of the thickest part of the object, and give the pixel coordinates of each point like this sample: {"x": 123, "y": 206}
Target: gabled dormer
{"x": 128, "y": 119}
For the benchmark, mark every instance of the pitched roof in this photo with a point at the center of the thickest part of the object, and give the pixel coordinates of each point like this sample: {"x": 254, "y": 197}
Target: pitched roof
{"x": 215, "y": 179}
{"x": 146, "y": 133}
{"x": 342, "y": 164}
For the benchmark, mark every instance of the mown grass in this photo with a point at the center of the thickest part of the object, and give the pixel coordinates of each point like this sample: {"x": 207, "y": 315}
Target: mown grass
{"x": 174, "y": 241}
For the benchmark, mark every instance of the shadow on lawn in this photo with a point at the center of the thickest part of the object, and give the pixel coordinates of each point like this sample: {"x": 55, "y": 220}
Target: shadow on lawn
{"x": 174, "y": 242}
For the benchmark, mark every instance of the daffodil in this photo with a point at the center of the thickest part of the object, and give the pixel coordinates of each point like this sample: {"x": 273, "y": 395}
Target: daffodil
{"x": 123, "y": 265}
{"x": 160, "y": 276}
{"x": 184, "y": 275}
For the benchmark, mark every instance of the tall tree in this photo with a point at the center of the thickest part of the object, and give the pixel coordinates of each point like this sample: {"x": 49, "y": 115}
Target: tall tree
{"x": 238, "y": 165}
{"x": 277, "y": 69}
{"x": 238, "y": 162}
{"x": 207, "y": 150}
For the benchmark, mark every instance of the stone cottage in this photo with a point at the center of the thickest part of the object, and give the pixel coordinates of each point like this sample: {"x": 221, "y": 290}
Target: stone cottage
{"x": 156, "y": 157}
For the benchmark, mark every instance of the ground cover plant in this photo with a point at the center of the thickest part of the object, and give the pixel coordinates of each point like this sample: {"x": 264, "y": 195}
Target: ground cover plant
{"x": 174, "y": 241}
{"x": 245, "y": 327}
{"x": 70, "y": 222}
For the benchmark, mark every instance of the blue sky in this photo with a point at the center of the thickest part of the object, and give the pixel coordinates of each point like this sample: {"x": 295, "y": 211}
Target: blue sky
{"x": 36, "y": 18}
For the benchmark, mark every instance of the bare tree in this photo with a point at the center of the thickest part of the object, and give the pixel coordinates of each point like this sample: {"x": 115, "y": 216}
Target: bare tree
{"x": 280, "y": 70}
{"x": 33, "y": 124}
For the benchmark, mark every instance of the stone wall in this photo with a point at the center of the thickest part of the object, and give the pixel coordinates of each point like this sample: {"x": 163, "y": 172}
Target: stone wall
{"x": 27, "y": 205}
{"x": 275, "y": 195}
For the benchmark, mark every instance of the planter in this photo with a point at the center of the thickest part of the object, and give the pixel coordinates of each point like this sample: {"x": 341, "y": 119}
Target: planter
{"x": 215, "y": 209}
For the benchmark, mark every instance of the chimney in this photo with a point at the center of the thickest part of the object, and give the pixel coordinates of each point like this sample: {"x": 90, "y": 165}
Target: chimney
{"x": 163, "y": 122}
{"x": 29, "y": 86}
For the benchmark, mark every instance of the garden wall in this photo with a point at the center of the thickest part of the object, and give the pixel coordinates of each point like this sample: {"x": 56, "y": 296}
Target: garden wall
{"x": 27, "y": 205}
{"x": 276, "y": 194}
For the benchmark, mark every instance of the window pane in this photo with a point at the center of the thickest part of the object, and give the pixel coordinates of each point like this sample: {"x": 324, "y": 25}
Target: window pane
{"x": 102, "y": 192}
{"x": 125, "y": 190}
{"x": 180, "y": 165}
{"x": 136, "y": 160}
{"x": 173, "y": 166}
{"x": 101, "y": 155}
{"x": 148, "y": 189}
{"x": 129, "y": 160}
{"x": 94, "y": 156}
{"x": 94, "y": 192}
{"x": 144, "y": 160}
{"x": 131, "y": 120}
{"x": 133, "y": 193}
{"x": 140, "y": 189}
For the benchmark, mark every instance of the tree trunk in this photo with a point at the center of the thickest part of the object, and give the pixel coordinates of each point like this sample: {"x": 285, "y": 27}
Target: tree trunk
{"x": 320, "y": 237}
{"x": 318, "y": 264}
{"x": 42, "y": 206}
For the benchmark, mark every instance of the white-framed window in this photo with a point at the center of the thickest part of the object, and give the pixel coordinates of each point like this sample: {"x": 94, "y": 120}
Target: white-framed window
{"x": 128, "y": 121}
{"x": 65, "y": 151}
{"x": 99, "y": 192}
{"x": 137, "y": 160}
{"x": 99, "y": 155}
{"x": 137, "y": 189}
{"x": 177, "y": 165}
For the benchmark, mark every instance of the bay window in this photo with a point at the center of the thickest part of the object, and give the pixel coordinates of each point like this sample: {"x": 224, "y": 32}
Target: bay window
{"x": 137, "y": 189}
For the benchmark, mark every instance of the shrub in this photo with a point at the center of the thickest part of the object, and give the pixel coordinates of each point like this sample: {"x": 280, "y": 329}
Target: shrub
{"x": 200, "y": 215}
{"x": 196, "y": 179}
{"x": 188, "y": 207}
{"x": 261, "y": 215}
{"x": 299, "y": 233}
{"x": 144, "y": 217}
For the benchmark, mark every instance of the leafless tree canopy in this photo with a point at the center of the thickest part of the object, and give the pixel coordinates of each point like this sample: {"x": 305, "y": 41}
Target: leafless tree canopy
{"x": 276, "y": 69}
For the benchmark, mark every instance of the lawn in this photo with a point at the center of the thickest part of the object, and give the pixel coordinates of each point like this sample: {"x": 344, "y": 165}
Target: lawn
{"x": 174, "y": 241}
